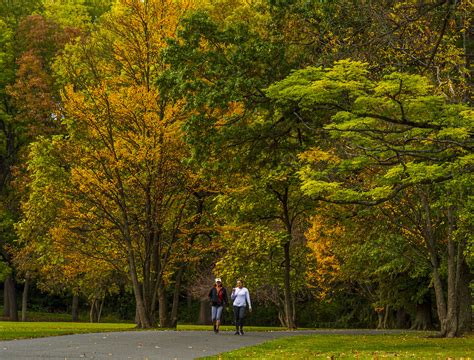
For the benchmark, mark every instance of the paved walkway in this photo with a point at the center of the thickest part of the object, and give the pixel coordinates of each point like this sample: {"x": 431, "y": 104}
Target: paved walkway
{"x": 143, "y": 345}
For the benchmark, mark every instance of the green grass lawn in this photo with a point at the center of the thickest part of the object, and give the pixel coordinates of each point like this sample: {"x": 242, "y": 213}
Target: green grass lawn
{"x": 407, "y": 346}
{"x": 22, "y": 330}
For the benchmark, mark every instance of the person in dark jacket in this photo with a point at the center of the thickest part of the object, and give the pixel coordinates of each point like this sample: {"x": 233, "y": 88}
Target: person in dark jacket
{"x": 219, "y": 299}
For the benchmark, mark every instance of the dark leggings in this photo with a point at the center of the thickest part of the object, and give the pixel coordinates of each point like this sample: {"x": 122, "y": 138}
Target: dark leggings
{"x": 239, "y": 313}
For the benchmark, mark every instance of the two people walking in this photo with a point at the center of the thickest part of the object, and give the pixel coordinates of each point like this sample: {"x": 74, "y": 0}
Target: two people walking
{"x": 241, "y": 299}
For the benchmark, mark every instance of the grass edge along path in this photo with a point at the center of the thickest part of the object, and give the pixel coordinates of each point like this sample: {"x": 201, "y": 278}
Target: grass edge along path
{"x": 328, "y": 346}
{"x": 28, "y": 330}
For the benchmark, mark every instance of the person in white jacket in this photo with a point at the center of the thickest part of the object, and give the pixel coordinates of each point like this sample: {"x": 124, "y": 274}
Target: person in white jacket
{"x": 241, "y": 298}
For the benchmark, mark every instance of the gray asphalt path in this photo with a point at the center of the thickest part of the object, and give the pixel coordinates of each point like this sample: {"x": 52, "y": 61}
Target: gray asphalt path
{"x": 143, "y": 345}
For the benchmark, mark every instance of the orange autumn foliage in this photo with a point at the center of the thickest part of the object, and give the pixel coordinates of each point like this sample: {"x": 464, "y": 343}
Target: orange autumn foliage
{"x": 324, "y": 267}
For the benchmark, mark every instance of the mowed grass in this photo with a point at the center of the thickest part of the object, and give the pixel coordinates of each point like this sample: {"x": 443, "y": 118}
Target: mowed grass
{"x": 406, "y": 346}
{"x": 23, "y": 330}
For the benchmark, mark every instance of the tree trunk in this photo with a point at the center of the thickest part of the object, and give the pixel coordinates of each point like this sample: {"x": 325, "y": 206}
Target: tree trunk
{"x": 204, "y": 312}
{"x": 92, "y": 311}
{"x": 423, "y": 319}
{"x": 137, "y": 315}
{"x": 24, "y": 299}
{"x": 380, "y": 317}
{"x": 281, "y": 318}
{"x": 386, "y": 317}
{"x": 402, "y": 319}
{"x": 163, "y": 307}
{"x": 288, "y": 223}
{"x": 143, "y": 320}
{"x": 449, "y": 309}
{"x": 189, "y": 301}
{"x": 287, "y": 288}
{"x": 99, "y": 313}
{"x": 11, "y": 296}
{"x": 6, "y": 301}
{"x": 452, "y": 320}
{"x": 75, "y": 308}
{"x": 177, "y": 289}
{"x": 441, "y": 305}
{"x": 465, "y": 300}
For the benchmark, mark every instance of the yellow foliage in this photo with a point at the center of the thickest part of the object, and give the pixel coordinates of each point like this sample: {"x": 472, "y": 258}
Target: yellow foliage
{"x": 321, "y": 238}
{"x": 316, "y": 154}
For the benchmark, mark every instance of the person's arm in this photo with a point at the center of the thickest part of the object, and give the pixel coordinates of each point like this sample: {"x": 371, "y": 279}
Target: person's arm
{"x": 210, "y": 294}
{"x": 247, "y": 298}
{"x": 232, "y": 296}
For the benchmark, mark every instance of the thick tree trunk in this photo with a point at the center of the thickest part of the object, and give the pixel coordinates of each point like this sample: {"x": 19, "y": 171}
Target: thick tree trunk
{"x": 465, "y": 300}
{"x": 440, "y": 302}
{"x": 11, "y": 296}
{"x": 402, "y": 319}
{"x": 189, "y": 301}
{"x": 449, "y": 309}
{"x": 204, "y": 312}
{"x": 24, "y": 299}
{"x": 423, "y": 318}
{"x": 386, "y": 317}
{"x": 75, "y": 308}
{"x": 163, "y": 307}
{"x": 137, "y": 315}
{"x": 143, "y": 320}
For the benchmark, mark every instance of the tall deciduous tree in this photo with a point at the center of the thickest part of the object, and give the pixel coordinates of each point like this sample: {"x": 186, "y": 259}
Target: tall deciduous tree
{"x": 130, "y": 185}
{"x": 235, "y": 134}
{"x": 392, "y": 135}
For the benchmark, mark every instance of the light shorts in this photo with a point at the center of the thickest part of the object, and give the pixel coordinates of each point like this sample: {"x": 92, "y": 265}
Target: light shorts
{"x": 216, "y": 312}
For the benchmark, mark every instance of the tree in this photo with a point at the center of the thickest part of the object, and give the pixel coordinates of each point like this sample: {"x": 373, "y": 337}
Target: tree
{"x": 379, "y": 263}
{"x": 56, "y": 262}
{"x": 13, "y": 136}
{"x": 391, "y": 135}
{"x": 130, "y": 186}
{"x": 235, "y": 133}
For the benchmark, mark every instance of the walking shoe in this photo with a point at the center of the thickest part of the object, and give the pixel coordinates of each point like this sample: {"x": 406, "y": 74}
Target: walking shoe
{"x": 237, "y": 333}
{"x": 241, "y": 332}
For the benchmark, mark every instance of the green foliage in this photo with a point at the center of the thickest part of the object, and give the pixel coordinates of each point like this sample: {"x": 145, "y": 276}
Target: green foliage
{"x": 395, "y": 125}
{"x": 12, "y": 12}
{"x": 72, "y": 13}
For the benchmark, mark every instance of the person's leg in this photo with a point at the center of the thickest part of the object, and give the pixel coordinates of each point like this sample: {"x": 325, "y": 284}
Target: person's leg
{"x": 214, "y": 316}
{"x": 241, "y": 319}
{"x": 218, "y": 317}
{"x": 236, "y": 319}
